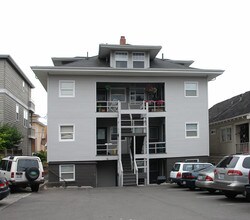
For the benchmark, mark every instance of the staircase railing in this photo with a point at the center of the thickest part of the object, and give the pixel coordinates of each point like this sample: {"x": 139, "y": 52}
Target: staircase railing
{"x": 120, "y": 172}
{"x": 136, "y": 171}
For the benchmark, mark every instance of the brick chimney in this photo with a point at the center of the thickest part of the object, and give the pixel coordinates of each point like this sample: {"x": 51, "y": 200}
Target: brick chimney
{"x": 122, "y": 40}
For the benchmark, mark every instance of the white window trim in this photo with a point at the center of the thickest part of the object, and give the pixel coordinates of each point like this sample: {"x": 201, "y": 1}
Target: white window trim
{"x": 17, "y": 112}
{"x": 25, "y": 118}
{"x": 66, "y": 140}
{"x": 198, "y": 128}
{"x": 119, "y": 59}
{"x": 60, "y": 172}
{"x": 67, "y": 81}
{"x": 115, "y": 93}
{"x": 197, "y": 91}
{"x": 144, "y": 60}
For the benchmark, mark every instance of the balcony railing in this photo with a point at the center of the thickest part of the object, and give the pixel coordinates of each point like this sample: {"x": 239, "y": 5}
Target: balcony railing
{"x": 157, "y": 147}
{"x": 107, "y": 149}
{"x": 242, "y": 148}
{"x": 112, "y": 106}
{"x": 31, "y": 106}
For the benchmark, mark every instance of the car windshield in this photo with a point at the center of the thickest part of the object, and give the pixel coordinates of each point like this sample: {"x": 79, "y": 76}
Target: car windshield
{"x": 188, "y": 167}
{"x": 176, "y": 167}
{"x": 205, "y": 167}
{"x": 23, "y": 164}
{"x": 228, "y": 162}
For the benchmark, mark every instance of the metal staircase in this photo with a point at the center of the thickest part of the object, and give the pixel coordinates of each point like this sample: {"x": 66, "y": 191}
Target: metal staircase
{"x": 129, "y": 178}
{"x": 133, "y": 124}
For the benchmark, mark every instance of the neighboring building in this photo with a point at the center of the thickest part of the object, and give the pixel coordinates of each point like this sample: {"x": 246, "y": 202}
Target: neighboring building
{"x": 229, "y": 124}
{"x": 16, "y": 106}
{"x": 40, "y": 142}
{"x": 123, "y": 109}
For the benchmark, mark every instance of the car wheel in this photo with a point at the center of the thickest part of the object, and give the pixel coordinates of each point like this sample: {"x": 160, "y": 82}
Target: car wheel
{"x": 230, "y": 195}
{"x": 179, "y": 184}
{"x": 34, "y": 188}
{"x": 211, "y": 190}
{"x": 32, "y": 173}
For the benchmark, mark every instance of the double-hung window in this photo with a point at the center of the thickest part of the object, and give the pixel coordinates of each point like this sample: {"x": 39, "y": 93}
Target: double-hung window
{"x": 191, "y": 89}
{"x": 138, "y": 60}
{"x": 226, "y": 134}
{"x": 66, "y": 88}
{"x": 67, "y": 133}
{"x": 25, "y": 118}
{"x": 121, "y": 59}
{"x": 192, "y": 130}
{"x": 67, "y": 172}
{"x": 17, "y": 112}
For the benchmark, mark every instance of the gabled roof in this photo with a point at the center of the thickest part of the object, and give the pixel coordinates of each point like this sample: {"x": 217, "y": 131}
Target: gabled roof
{"x": 17, "y": 68}
{"x": 230, "y": 108}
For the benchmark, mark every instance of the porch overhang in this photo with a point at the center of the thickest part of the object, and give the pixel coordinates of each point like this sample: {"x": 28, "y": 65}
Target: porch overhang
{"x": 238, "y": 117}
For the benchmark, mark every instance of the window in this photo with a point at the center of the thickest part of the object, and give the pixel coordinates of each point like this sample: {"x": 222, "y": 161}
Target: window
{"x": 226, "y": 134}
{"x": 118, "y": 94}
{"x": 17, "y": 112}
{"x": 121, "y": 59}
{"x": 25, "y": 118}
{"x": 191, "y": 89}
{"x": 137, "y": 95}
{"x": 67, "y": 133}
{"x": 67, "y": 172}
{"x": 138, "y": 60}
{"x": 191, "y": 130}
{"x": 67, "y": 88}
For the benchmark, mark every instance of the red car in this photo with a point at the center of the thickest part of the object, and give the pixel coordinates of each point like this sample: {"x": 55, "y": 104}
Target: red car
{"x": 4, "y": 188}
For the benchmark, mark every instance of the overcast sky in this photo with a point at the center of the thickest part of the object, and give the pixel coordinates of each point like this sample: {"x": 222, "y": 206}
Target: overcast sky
{"x": 213, "y": 33}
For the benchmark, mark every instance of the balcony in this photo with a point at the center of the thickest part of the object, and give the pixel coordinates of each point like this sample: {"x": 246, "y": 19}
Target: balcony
{"x": 243, "y": 148}
{"x": 112, "y": 106}
{"x": 31, "y": 106}
{"x": 107, "y": 149}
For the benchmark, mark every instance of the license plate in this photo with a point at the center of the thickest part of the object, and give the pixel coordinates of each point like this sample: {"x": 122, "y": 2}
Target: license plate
{"x": 19, "y": 176}
{"x": 221, "y": 176}
{"x": 184, "y": 182}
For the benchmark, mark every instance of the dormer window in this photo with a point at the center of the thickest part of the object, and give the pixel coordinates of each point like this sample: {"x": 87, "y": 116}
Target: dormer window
{"x": 129, "y": 60}
{"x": 138, "y": 60}
{"x": 121, "y": 59}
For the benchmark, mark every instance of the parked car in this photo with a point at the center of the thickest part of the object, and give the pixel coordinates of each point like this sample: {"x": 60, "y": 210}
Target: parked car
{"x": 4, "y": 188}
{"x": 188, "y": 178}
{"x": 22, "y": 171}
{"x": 205, "y": 179}
{"x": 231, "y": 175}
{"x": 182, "y": 167}
{"x": 247, "y": 189}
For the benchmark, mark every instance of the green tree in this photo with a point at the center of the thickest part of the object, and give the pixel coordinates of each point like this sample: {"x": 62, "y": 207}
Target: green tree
{"x": 10, "y": 136}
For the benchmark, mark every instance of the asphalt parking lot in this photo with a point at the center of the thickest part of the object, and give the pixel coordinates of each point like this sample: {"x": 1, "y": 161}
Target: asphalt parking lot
{"x": 128, "y": 203}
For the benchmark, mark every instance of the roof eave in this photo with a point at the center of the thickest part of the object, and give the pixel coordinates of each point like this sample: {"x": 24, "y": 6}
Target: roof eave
{"x": 43, "y": 72}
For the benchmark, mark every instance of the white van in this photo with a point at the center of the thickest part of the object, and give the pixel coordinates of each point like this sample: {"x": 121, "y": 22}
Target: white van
{"x": 22, "y": 171}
